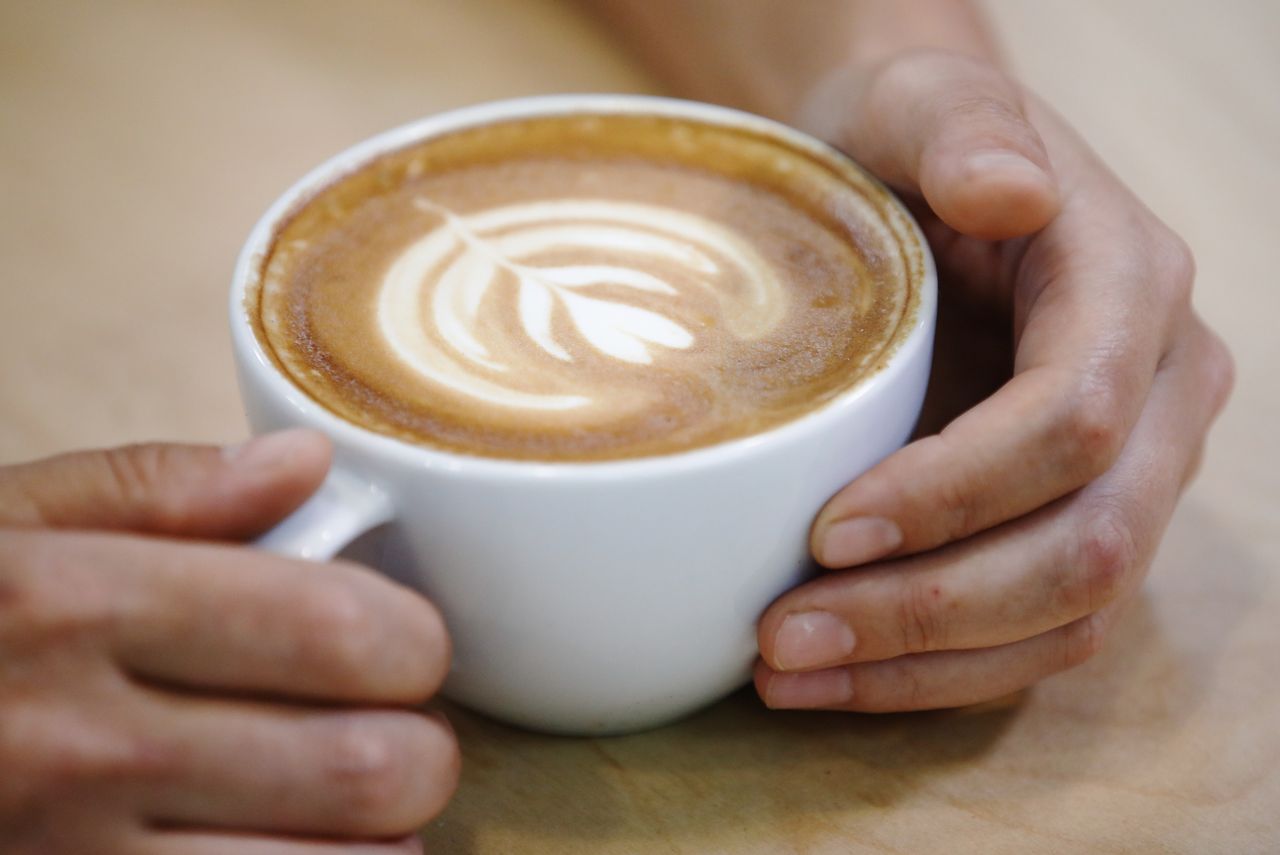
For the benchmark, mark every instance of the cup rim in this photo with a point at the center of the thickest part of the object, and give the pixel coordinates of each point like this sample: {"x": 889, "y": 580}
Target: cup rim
{"x": 251, "y": 356}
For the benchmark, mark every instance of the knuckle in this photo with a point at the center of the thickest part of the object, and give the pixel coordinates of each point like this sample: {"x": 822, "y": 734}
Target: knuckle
{"x": 1093, "y": 425}
{"x": 115, "y": 756}
{"x": 956, "y": 506}
{"x": 1082, "y": 640}
{"x": 901, "y": 688}
{"x": 1220, "y": 370}
{"x": 141, "y": 477}
{"x": 135, "y": 472}
{"x": 1108, "y": 557}
{"x": 1175, "y": 264}
{"x": 913, "y": 690}
{"x": 920, "y": 617}
{"x": 337, "y": 625}
{"x": 44, "y": 598}
{"x": 364, "y": 766}
{"x": 56, "y": 752}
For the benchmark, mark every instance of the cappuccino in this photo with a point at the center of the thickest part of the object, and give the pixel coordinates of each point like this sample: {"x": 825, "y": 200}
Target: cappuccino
{"x": 587, "y": 287}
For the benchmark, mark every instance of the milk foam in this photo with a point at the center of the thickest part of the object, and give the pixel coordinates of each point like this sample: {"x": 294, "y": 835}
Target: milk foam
{"x": 595, "y": 287}
{"x": 430, "y": 299}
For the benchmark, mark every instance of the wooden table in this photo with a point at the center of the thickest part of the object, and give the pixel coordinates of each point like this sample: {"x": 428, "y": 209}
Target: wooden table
{"x": 141, "y": 139}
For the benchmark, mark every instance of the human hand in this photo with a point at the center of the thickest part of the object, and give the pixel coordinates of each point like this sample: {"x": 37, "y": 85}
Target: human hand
{"x": 1001, "y": 549}
{"x": 164, "y": 693}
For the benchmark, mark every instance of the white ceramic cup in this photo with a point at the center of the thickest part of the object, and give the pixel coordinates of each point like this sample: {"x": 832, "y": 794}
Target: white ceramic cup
{"x": 587, "y": 597}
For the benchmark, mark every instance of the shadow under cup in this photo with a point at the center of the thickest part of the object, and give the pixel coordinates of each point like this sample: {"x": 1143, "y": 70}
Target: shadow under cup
{"x": 590, "y": 597}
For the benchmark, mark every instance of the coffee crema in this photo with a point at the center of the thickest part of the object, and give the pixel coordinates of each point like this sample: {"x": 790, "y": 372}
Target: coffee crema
{"x": 587, "y": 287}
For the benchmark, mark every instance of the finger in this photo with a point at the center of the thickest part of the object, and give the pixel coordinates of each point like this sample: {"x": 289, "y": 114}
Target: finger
{"x": 938, "y": 680}
{"x": 952, "y": 128}
{"x": 1025, "y": 577}
{"x": 223, "y": 617}
{"x": 180, "y": 490}
{"x": 335, "y": 631}
{"x": 259, "y": 767}
{"x": 229, "y": 843}
{"x": 1098, "y": 326}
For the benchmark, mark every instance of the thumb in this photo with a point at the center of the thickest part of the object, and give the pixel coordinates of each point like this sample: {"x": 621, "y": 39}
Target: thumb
{"x": 178, "y": 490}
{"x": 948, "y": 127}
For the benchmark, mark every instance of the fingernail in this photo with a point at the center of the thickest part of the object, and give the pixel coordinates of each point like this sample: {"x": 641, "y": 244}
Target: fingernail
{"x": 1000, "y": 160}
{"x": 812, "y": 690}
{"x": 811, "y": 640}
{"x": 263, "y": 452}
{"x": 859, "y": 540}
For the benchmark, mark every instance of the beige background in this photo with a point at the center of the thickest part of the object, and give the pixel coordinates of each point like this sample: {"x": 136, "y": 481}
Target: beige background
{"x": 140, "y": 140}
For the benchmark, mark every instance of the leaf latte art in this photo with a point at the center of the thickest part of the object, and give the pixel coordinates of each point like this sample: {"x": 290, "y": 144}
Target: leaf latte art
{"x": 429, "y": 307}
{"x": 584, "y": 288}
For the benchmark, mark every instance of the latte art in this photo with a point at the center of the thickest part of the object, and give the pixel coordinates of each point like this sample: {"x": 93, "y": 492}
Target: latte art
{"x": 586, "y": 287}
{"x": 431, "y": 296}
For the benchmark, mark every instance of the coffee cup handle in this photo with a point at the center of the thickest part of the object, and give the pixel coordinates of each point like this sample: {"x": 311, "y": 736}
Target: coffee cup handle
{"x": 344, "y": 507}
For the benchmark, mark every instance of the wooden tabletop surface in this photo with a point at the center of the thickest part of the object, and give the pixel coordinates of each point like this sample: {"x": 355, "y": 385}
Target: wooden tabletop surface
{"x": 140, "y": 140}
